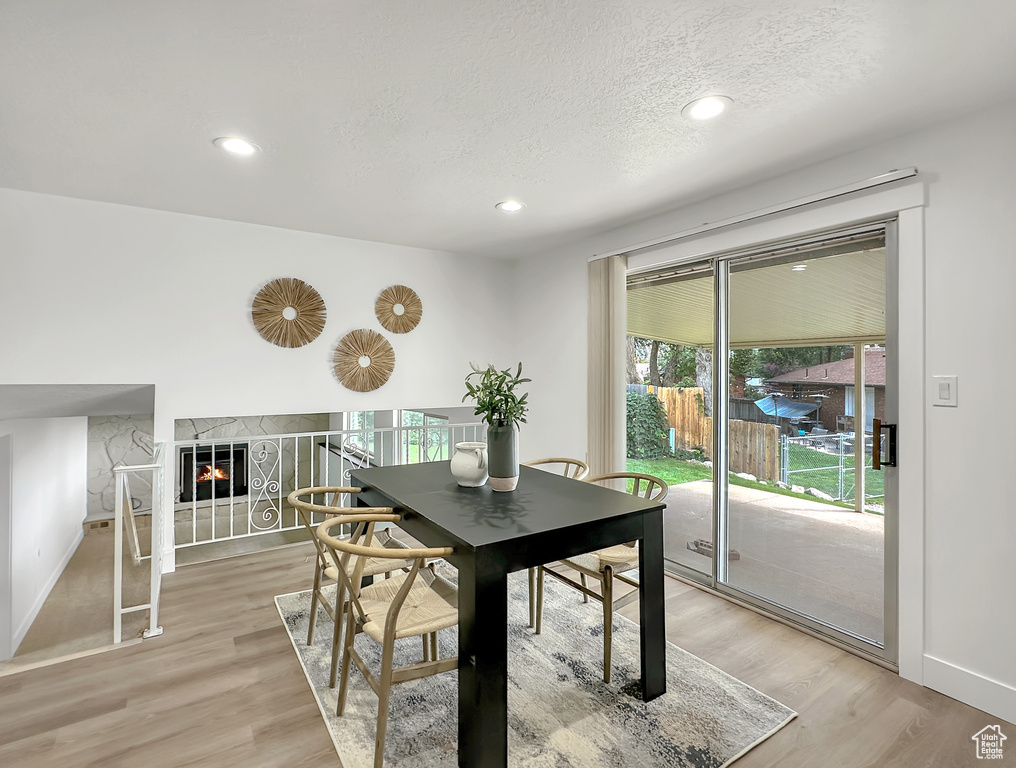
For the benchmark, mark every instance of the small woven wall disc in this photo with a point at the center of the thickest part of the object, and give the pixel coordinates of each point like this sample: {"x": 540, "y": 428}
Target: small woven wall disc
{"x": 398, "y": 309}
{"x": 363, "y": 360}
{"x": 288, "y": 312}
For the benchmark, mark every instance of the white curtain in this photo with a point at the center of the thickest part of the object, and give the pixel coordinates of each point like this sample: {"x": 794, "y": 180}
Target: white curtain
{"x": 606, "y": 386}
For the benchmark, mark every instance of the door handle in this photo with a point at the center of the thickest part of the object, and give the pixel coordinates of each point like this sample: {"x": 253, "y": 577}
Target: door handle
{"x": 876, "y": 445}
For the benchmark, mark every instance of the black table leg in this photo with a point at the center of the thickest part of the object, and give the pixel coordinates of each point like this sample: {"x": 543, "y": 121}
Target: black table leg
{"x": 483, "y": 664}
{"x": 651, "y": 607}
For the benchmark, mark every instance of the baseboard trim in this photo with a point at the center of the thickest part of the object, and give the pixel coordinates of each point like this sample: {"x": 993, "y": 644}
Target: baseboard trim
{"x": 26, "y": 624}
{"x": 12, "y": 667}
{"x": 994, "y": 697}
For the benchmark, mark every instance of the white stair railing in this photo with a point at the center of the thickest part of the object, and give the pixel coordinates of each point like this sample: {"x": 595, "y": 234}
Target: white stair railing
{"x": 125, "y": 519}
{"x": 236, "y": 487}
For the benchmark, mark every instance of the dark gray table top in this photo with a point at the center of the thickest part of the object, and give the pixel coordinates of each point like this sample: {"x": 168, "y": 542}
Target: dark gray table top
{"x": 542, "y": 503}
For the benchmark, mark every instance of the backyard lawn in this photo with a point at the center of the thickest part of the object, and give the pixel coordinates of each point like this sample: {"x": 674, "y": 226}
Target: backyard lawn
{"x": 817, "y": 470}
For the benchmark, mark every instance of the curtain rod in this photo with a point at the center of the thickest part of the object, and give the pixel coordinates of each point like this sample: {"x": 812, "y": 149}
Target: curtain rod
{"x": 874, "y": 181}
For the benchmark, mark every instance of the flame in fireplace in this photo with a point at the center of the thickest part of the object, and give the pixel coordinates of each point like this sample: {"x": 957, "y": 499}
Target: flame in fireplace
{"x": 209, "y": 472}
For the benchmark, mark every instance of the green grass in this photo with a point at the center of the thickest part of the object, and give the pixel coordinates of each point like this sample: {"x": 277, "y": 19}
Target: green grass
{"x": 671, "y": 471}
{"x": 822, "y": 472}
{"x": 675, "y": 472}
{"x": 415, "y": 452}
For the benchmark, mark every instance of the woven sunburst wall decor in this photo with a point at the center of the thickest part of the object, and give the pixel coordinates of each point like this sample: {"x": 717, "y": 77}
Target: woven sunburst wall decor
{"x": 363, "y": 360}
{"x": 288, "y": 312}
{"x": 398, "y": 309}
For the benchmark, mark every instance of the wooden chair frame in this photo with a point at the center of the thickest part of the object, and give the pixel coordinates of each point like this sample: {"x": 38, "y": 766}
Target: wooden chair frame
{"x": 342, "y": 551}
{"x": 655, "y": 490}
{"x": 334, "y": 609}
{"x": 575, "y": 469}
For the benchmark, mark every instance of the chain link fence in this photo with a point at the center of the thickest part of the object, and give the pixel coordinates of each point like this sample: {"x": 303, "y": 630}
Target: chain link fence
{"x": 826, "y": 463}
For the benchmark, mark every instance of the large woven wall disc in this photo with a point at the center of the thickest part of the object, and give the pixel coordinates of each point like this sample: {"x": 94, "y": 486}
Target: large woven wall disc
{"x": 398, "y": 309}
{"x": 363, "y": 360}
{"x": 288, "y": 312}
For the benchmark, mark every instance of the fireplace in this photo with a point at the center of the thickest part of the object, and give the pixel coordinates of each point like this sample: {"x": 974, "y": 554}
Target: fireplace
{"x": 221, "y": 471}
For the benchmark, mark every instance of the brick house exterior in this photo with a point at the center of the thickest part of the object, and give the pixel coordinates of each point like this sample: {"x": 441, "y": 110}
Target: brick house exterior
{"x": 832, "y": 380}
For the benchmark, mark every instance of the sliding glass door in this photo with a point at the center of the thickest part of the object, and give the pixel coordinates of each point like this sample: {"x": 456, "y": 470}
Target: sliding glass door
{"x": 793, "y": 517}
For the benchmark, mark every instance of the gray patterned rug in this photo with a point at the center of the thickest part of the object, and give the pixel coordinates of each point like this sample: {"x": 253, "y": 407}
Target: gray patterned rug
{"x": 561, "y": 714}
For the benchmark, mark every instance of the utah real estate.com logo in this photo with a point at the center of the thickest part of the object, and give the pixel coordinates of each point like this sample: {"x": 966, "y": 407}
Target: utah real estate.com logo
{"x": 988, "y": 742}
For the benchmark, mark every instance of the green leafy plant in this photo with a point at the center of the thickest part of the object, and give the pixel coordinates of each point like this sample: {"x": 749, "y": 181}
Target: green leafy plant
{"x": 693, "y": 454}
{"x": 647, "y": 427}
{"x": 494, "y": 393}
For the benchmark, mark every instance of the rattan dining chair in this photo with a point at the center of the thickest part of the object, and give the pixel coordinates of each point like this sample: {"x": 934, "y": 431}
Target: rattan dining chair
{"x": 325, "y": 568}
{"x": 419, "y": 603}
{"x": 606, "y": 565}
{"x": 574, "y": 469}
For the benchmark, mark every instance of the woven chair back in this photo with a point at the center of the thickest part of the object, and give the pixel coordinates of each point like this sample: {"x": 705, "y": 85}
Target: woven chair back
{"x": 647, "y": 486}
{"x": 572, "y": 468}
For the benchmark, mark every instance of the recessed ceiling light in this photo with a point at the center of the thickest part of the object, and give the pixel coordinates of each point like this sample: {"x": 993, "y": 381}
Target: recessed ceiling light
{"x": 707, "y": 107}
{"x": 510, "y": 206}
{"x": 236, "y": 146}
{"x": 799, "y": 268}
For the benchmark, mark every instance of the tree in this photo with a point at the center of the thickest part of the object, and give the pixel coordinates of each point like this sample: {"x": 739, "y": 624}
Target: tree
{"x": 744, "y": 362}
{"x": 631, "y": 357}
{"x": 677, "y": 366}
{"x": 773, "y": 361}
{"x": 704, "y": 376}
{"x": 654, "y": 363}
{"x": 670, "y": 365}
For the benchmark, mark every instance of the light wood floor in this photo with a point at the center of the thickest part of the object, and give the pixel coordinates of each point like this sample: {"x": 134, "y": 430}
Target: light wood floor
{"x": 223, "y": 687}
{"x": 78, "y": 613}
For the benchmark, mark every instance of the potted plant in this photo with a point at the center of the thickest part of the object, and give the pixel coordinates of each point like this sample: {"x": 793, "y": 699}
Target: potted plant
{"x": 502, "y": 410}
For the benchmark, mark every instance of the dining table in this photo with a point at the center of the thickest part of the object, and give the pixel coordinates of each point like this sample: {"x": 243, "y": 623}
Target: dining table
{"x": 546, "y": 518}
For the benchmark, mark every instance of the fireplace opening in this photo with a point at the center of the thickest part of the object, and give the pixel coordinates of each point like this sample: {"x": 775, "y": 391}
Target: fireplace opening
{"x": 213, "y": 471}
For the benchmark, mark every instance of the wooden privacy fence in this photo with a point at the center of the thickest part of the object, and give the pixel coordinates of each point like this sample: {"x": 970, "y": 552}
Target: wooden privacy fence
{"x": 686, "y": 414}
{"x": 754, "y": 447}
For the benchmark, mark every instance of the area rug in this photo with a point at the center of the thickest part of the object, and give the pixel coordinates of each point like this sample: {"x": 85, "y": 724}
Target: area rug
{"x": 560, "y": 712}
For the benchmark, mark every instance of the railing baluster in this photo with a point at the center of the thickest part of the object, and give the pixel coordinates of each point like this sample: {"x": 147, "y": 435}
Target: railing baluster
{"x": 194, "y": 492}
{"x": 282, "y": 460}
{"x": 232, "y": 485}
{"x": 118, "y": 561}
{"x": 357, "y": 447}
{"x": 211, "y": 484}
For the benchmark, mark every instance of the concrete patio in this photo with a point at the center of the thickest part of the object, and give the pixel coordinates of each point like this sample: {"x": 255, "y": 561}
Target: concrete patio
{"x": 820, "y": 560}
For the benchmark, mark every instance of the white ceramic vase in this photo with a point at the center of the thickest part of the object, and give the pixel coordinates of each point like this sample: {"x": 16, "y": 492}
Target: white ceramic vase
{"x": 469, "y": 464}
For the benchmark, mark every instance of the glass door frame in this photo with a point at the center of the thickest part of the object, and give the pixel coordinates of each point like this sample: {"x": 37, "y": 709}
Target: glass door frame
{"x": 887, "y": 653}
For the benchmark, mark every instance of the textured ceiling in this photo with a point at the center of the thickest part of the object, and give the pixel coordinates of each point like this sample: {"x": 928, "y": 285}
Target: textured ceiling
{"x": 406, "y": 122}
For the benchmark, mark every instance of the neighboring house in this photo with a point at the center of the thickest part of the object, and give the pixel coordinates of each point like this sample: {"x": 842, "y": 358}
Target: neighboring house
{"x": 833, "y": 385}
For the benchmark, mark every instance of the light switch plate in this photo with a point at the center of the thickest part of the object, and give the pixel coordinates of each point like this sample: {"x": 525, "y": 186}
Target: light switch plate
{"x": 943, "y": 391}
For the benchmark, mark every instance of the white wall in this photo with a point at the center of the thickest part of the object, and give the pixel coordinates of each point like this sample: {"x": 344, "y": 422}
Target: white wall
{"x": 49, "y": 500}
{"x": 101, "y": 293}
{"x": 134, "y": 295}
{"x": 964, "y": 559}
{"x": 551, "y": 343}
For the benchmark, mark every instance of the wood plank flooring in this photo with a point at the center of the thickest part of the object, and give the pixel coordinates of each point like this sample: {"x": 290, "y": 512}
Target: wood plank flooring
{"x": 222, "y": 687}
